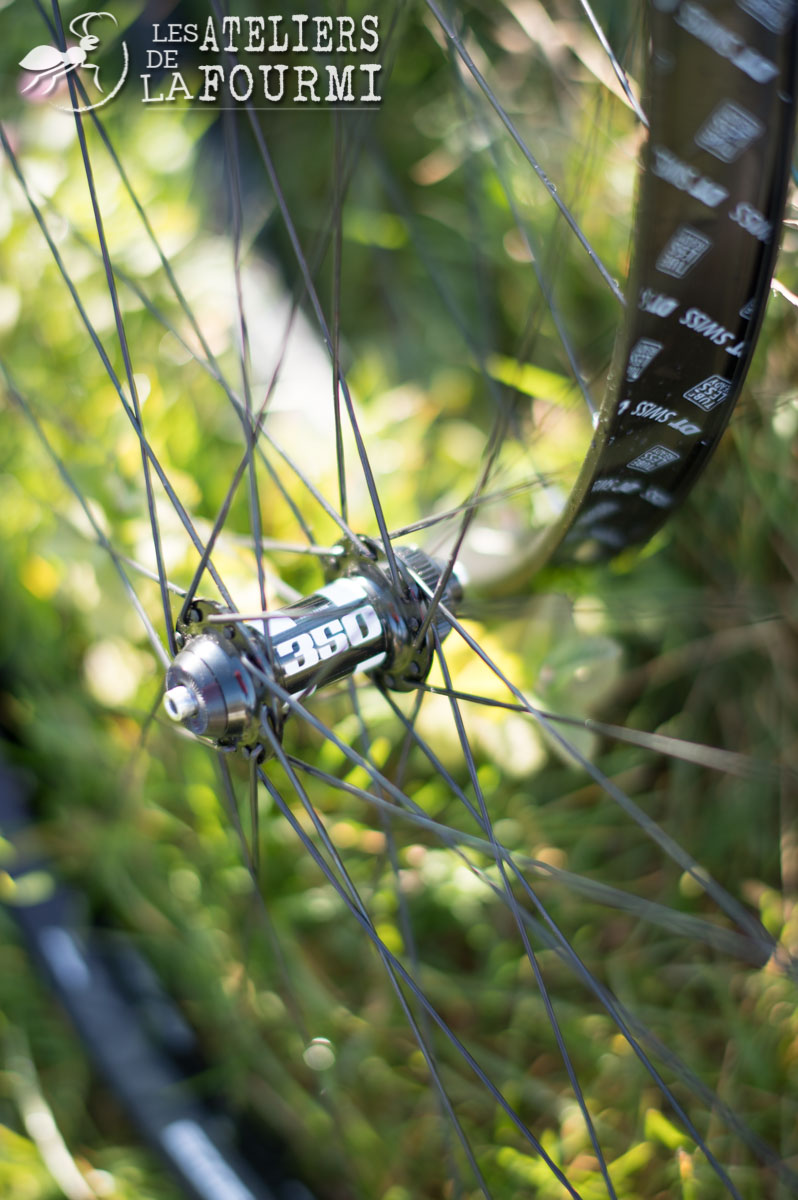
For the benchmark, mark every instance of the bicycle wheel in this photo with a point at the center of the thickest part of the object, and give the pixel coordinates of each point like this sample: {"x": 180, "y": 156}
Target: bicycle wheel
{"x": 432, "y": 934}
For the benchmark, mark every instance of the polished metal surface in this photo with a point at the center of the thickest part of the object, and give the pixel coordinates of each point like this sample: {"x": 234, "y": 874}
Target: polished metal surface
{"x": 231, "y": 673}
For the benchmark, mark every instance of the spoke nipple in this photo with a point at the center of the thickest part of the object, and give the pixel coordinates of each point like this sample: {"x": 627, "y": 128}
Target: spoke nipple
{"x": 180, "y": 704}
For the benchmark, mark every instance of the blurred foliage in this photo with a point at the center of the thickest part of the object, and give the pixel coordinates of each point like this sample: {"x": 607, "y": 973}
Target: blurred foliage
{"x": 693, "y": 637}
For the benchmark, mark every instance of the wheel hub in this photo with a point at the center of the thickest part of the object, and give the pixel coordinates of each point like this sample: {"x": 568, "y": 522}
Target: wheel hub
{"x": 230, "y": 673}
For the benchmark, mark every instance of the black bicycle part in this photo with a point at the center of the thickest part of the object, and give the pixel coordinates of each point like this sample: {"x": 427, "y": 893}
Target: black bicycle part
{"x": 137, "y": 1039}
{"x": 715, "y": 170}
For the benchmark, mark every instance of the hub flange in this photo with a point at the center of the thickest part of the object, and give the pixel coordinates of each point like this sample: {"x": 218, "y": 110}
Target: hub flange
{"x": 230, "y": 673}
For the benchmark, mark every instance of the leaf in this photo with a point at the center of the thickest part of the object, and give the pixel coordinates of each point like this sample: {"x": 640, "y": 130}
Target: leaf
{"x": 530, "y": 379}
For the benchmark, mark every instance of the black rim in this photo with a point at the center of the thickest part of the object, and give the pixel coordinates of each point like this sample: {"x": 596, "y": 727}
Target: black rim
{"x": 716, "y": 166}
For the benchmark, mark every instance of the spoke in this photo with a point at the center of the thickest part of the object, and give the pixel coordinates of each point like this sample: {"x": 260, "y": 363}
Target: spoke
{"x": 123, "y": 342}
{"x": 598, "y": 990}
{"x": 139, "y": 207}
{"x": 622, "y": 77}
{"x": 405, "y": 922}
{"x": 344, "y": 886}
{"x": 437, "y": 277}
{"x": 617, "y": 1013}
{"x": 113, "y": 377}
{"x": 558, "y": 36}
{"x": 498, "y": 855}
{"x": 341, "y": 381}
{"x": 254, "y": 816}
{"x": 511, "y": 880}
{"x": 218, "y": 525}
{"x": 212, "y": 368}
{"x": 209, "y": 362}
{"x": 630, "y": 1027}
{"x": 476, "y": 502}
{"x": 533, "y": 253}
{"x": 234, "y": 188}
{"x": 497, "y": 439}
{"x": 503, "y": 116}
{"x": 228, "y": 790}
{"x": 753, "y": 932}
{"x": 253, "y": 430}
{"x": 692, "y": 928}
{"x": 529, "y": 241}
{"x": 306, "y": 275}
{"x": 731, "y": 907}
{"x": 728, "y": 762}
{"x": 337, "y": 241}
{"x": 625, "y": 1023}
{"x": 140, "y": 569}
{"x": 762, "y": 947}
{"x": 102, "y": 540}
{"x": 233, "y": 487}
{"x": 300, "y": 548}
{"x": 315, "y": 493}
{"x": 398, "y": 975}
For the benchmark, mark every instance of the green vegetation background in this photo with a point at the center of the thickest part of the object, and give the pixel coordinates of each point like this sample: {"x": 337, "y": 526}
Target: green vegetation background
{"x": 694, "y": 637}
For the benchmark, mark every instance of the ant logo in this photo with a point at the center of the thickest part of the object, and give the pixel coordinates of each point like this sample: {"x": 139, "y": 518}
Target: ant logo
{"x": 49, "y": 65}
